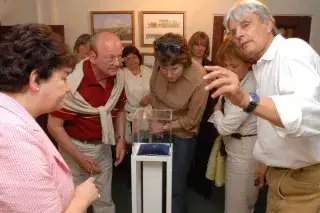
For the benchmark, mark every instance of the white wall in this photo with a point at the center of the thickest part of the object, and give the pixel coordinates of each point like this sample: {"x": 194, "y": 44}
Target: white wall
{"x": 199, "y": 14}
{"x": 74, "y": 14}
{"x": 19, "y": 12}
{"x": 45, "y": 11}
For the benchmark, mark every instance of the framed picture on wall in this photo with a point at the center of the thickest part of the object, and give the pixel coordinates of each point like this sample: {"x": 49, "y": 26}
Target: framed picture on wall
{"x": 120, "y": 23}
{"x": 154, "y": 24}
{"x": 148, "y": 59}
{"x": 285, "y": 31}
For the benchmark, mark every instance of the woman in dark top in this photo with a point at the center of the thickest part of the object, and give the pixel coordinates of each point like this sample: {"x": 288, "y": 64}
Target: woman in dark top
{"x": 200, "y": 50}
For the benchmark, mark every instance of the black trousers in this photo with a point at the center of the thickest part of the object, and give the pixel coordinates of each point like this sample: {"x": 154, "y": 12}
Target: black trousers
{"x": 197, "y": 179}
{"x": 205, "y": 139}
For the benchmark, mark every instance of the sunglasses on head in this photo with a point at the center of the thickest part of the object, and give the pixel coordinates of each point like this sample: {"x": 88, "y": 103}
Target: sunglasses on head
{"x": 163, "y": 47}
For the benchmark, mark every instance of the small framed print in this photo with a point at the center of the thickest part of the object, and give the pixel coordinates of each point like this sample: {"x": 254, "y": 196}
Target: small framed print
{"x": 120, "y": 23}
{"x": 148, "y": 59}
{"x": 155, "y": 24}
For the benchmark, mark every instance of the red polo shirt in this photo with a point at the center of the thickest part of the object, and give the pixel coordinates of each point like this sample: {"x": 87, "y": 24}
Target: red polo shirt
{"x": 88, "y": 127}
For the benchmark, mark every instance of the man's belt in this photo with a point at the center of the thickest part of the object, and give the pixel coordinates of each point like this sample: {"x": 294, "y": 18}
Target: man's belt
{"x": 91, "y": 141}
{"x": 239, "y": 136}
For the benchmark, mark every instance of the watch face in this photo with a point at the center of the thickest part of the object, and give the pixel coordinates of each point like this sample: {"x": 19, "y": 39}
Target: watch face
{"x": 255, "y": 98}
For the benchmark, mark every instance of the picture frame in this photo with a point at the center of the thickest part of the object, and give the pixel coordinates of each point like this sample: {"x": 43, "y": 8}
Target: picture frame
{"x": 286, "y": 32}
{"x": 294, "y": 26}
{"x": 154, "y": 24}
{"x": 148, "y": 60}
{"x": 120, "y": 23}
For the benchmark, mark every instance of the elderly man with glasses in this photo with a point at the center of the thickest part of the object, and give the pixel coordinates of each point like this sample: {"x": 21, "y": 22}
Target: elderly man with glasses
{"x": 84, "y": 127}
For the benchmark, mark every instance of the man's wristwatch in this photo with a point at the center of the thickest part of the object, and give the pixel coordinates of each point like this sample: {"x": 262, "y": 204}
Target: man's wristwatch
{"x": 254, "y": 101}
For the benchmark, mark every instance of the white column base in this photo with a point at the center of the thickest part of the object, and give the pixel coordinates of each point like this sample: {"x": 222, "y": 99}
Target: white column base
{"x": 152, "y": 182}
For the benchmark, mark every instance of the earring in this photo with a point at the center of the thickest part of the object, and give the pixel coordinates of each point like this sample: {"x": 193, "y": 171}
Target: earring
{"x": 37, "y": 89}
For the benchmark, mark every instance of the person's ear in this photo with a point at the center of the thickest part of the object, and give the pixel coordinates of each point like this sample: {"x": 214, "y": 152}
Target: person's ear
{"x": 92, "y": 57}
{"x": 34, "y": 84}
{"x": 270, "y": 24}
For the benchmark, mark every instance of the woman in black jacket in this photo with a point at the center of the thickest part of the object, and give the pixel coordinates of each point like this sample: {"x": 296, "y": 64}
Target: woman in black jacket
{"x": 200, "y": 50}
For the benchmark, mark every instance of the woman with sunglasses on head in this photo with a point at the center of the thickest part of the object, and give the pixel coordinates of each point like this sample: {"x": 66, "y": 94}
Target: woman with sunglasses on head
{"x": 176, "y": 83}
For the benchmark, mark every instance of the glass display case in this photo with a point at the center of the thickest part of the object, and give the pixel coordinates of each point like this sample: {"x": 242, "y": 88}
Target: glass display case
{"x": 151, "y": 161}
{"x": 150, "y": 138}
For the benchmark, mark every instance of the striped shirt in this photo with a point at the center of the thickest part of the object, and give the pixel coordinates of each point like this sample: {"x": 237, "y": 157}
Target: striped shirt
{"x": 33, "y": 176}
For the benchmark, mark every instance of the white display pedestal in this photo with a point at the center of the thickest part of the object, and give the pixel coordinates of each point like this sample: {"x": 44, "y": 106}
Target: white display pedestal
{"x": 150, "y": 200}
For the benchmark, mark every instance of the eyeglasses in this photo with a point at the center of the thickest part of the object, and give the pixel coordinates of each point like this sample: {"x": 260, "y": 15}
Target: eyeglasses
{"x": 132, "y": 58}
{"x": 163, "y": 47}
{"x": 112, "y": 59}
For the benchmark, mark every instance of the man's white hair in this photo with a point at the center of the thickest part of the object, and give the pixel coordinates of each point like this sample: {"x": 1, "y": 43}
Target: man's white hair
{"x": 248, "y": 6}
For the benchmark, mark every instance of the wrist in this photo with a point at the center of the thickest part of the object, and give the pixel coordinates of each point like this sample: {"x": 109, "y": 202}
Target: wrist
{"x": 121, "y": 139}
{"x": 245, "y": 101}
{"x": 80, "y": 203}
{"x": 166, "y": 127}
{"x": 253, "y": 100}
{"x": 79, "y": 157}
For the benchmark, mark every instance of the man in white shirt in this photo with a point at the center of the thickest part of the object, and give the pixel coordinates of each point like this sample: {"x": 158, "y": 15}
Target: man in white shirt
{"x": 287, "y": 104}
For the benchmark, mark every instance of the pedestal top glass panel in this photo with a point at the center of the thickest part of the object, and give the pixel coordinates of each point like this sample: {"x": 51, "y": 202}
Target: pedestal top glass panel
{"x": 150, "y": 138}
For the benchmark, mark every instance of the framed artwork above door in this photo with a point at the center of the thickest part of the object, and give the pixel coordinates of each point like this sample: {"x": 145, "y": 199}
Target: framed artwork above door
{"x": 288, "y": 26}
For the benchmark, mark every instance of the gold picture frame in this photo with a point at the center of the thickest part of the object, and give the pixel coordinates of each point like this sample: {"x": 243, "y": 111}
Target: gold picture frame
{"x": 148, "y": 59}
{"x": 120, "y": 23}
{"x": 154, "y": 24}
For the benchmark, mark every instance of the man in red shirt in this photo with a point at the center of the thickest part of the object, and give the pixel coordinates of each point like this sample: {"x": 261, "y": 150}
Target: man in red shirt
{"x": 83, "y": 129}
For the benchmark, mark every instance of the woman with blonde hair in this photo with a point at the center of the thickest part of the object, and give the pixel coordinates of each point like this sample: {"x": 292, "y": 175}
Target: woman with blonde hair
{"x": 200, "y": 50}
{"x": 240, "y": 133}
{"x": 199, "y": 47}
{"x": 81, "y": 46}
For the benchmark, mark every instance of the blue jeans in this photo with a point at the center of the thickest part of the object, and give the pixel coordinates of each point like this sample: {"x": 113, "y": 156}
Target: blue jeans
{"x": 183, "y": 149}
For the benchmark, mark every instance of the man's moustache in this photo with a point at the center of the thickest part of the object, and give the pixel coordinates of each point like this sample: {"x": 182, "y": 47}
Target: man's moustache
{"x": 114, "y": 67}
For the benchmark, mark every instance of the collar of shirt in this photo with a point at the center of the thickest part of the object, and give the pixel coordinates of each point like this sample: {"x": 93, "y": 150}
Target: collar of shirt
{"x": 188, "y": 72}
{"x": 89, "y": 78}
{"x": 206, "y": 62}
{"x": 246, "y": 77}
{"x": 272, "y": 50}
{"x": 16, "y": 108}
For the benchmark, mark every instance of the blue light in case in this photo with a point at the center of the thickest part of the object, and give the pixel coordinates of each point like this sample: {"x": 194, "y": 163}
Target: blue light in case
{"x": 154, "y": 149}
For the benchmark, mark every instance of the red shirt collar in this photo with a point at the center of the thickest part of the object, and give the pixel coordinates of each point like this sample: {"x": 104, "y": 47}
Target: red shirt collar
{"x": 89, "y": 76}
